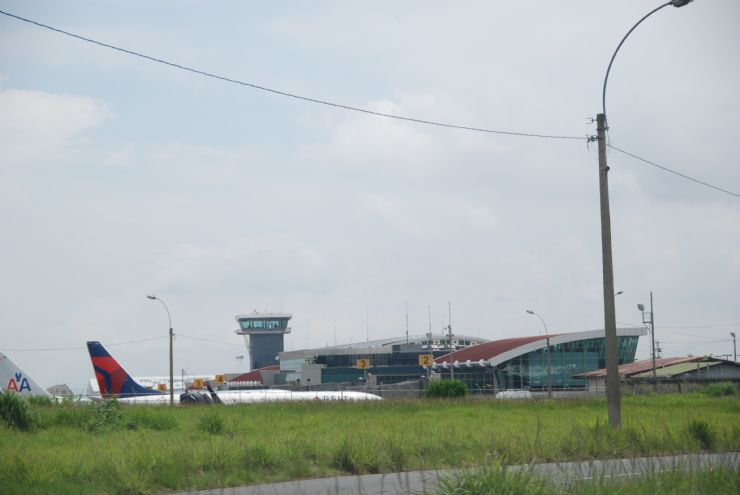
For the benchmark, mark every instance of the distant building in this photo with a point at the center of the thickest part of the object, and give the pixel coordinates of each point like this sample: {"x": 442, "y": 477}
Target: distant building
{"x": 485, "y": 366}
{"x": 388, "y": 361}
{"x": 693, "y": 368}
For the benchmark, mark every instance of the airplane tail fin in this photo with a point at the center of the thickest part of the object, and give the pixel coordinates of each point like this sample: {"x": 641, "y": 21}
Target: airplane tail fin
{"x": 14, "y": 380}
{"x": 112, "y": 378}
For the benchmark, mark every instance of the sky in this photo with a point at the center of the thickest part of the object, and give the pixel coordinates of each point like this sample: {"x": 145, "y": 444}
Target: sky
{"x": 121, "y": 177}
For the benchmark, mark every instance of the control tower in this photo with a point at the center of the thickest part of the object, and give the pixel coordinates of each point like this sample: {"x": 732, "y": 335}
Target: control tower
{"x": 263, "y": 333}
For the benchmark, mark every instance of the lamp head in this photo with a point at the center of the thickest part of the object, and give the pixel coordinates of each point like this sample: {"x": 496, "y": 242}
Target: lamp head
{"x": 733, "y": 334}
{"x": 151, "y": 297}
{"x": 620, "y": 292}
{"x": 641, "y": 307}
{"x": 530, "y": 311}
{"x": 680, "y": 3}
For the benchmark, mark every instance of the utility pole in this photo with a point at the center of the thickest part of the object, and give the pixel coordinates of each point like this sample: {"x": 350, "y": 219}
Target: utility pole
{"x": 652, "y": 331}
{"x": 652, "y": 336}
{"x": 610, "y": 322}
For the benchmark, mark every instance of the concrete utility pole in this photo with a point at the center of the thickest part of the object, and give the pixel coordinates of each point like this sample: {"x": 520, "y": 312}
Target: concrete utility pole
{"x": 652, "y": 337}
{"x": 610, "y": 323}
{"x": 652, "y": 332}
{"x": 610, "y": 320}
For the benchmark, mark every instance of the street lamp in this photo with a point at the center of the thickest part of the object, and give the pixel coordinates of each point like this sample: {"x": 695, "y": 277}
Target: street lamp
{"x": 734, "y": 347}
{"x": 172, "y": 390}
{"x": 549, "y": 362}
{"x": 610, "y": 322}
{"x": 641, "y": 307}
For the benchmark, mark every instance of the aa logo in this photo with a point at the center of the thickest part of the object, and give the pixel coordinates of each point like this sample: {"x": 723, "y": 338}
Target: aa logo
{"x": 18, "y": 384}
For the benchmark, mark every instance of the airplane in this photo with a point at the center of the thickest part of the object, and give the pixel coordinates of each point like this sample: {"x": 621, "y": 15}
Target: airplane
{"x": 114, "y": 381}
{"x": 230, "y": 397}
{"x": 15, "y": 381}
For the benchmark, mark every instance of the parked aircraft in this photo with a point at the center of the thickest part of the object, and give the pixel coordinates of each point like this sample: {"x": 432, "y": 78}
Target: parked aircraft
{"x": 229, "y": 397}
{"x": 15, "y": 381}
{"x": 114, "y": 381}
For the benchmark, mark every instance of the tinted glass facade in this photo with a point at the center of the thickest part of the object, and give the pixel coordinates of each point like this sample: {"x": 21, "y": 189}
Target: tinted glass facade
{"x": 530, "y": 371}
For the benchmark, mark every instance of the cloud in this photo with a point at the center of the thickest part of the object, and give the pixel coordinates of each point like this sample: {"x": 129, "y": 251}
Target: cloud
{"x": 37, "y": 125}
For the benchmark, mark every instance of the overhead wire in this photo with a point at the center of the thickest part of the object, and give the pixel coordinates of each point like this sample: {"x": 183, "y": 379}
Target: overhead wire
{"x": 357, "y": 109}
{"x": 79, "y": 347}
{"x": 666, "y": 169}
{"x": 291, "y": 95}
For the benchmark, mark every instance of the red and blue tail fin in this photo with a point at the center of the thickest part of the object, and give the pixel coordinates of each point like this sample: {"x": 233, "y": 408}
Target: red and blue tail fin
{"x": 112, "y": 378}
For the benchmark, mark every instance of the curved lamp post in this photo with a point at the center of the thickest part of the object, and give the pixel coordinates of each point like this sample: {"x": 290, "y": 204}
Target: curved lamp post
{"x": 169, "y": 320}
{"x": 549, "y": 362}
{"x": 610, "y": 323}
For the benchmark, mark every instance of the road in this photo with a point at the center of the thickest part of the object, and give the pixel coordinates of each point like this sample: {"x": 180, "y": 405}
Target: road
{"x": 426, "y": 481}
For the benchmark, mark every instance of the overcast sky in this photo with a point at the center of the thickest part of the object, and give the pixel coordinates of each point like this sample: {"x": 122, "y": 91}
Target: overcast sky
{"x": 120, "y": 177}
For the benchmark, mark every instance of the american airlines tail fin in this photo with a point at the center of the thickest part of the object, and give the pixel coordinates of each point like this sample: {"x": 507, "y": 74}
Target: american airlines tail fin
{"x": 14, "y": 380}
{"x": 112, "y": 378}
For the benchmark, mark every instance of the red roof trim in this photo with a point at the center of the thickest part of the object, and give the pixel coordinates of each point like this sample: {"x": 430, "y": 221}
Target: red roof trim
{"x": 488, "y": 350}
{"x": 255, "y": 375}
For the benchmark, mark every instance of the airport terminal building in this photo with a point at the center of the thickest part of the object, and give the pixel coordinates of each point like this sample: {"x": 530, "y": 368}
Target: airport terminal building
{"x": 485, "y": 366}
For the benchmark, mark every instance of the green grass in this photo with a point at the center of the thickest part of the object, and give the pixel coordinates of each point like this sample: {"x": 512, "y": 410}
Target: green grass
{"x": 116, "y": 449}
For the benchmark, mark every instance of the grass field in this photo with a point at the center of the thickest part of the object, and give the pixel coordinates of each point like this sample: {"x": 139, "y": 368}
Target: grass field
{"x": 115, "y": 449}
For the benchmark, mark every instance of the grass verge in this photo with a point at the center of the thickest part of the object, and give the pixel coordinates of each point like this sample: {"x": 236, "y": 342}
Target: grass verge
{"x": 110, "y": 448}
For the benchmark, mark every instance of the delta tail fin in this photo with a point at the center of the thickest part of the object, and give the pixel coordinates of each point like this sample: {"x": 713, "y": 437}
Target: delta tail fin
{"x": 112, "y": 378}
{"x": 15, "y": 381}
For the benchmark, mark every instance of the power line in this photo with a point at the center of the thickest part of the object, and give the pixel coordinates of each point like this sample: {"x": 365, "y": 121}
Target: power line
{"x": 666, "y": 169}
{"x": 704, "y": 326}
{"x": 79, "y": 347}
{"x": 292, "y": 95}
{"x": 241, "y": 346}
{"x": 356, "y": 109}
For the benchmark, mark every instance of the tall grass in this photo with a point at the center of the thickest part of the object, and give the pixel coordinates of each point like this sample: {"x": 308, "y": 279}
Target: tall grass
{"x": 497, "y": 479}
{"x": 128, "y": 449}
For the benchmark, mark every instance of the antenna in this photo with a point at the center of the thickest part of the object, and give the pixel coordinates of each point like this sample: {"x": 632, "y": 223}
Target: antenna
{"x": 407, "y": 322}
{"x": 449, "y": 342}
{"x": 449, "y": 322}
{"x": 429, "y": 308}
{"x": 367, "y": 324}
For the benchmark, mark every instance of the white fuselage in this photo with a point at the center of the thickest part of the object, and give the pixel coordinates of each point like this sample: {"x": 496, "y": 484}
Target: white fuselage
{"x": 273, "y": 395}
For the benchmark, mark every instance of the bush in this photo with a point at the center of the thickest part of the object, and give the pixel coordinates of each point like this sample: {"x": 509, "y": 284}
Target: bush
{"x": 446, "y": 388}
{"x": 702, "y": 432}
{"x": 106, "y": 416}
{"x": 212, "y": 423}
{"x": 15, "y": 412}
{"x": 722, "y": 389}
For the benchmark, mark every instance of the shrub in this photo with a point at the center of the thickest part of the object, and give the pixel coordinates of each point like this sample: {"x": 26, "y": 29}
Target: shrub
{"x": 495, "y": 479}
{"x": 106, "y": 416}
{"x": 722, "y": 389}
{"x": 15, "y": 412}
{"x": 702, "y": 432}
{"x": 212, "y": 423}
{"x": 446, "y": 388}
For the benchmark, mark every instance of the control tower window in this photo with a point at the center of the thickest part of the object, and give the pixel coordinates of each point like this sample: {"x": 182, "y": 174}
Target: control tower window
{"x": 269, "y": 324}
